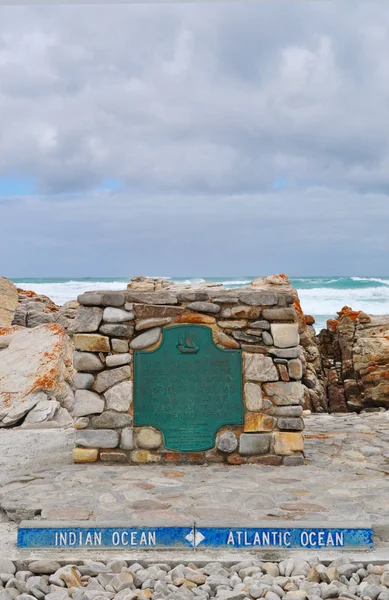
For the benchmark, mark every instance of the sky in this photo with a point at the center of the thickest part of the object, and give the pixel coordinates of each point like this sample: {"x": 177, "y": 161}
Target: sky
{"x": 212, "y": 139}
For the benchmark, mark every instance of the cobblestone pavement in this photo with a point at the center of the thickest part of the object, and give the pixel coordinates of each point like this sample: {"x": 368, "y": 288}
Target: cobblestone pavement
{"x": 345, "y": 479}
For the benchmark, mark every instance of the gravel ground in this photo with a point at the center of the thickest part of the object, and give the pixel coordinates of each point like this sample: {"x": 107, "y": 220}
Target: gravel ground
{"x": 292, "y": 579}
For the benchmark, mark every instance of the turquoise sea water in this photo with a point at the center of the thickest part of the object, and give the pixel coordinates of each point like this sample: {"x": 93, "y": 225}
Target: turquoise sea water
{"x": 321, "y": 297}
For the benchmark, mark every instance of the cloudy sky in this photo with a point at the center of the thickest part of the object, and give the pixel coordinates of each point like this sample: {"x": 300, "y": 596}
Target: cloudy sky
{"x": 202, "y": 139}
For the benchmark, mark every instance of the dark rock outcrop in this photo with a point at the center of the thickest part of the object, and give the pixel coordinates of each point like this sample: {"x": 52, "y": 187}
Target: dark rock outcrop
{"x": 355, "y": 357}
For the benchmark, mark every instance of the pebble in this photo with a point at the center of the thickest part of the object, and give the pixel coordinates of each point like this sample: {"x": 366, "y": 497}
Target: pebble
{"x": 7, "y": 566}
{"x": 291, "y": 579}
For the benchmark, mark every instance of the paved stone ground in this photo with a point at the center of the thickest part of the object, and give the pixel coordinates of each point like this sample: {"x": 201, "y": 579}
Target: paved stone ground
{"x": 345, "y": 480}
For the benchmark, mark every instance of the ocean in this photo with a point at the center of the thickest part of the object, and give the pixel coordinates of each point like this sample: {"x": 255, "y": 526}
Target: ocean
{"x": 321, "y": 297}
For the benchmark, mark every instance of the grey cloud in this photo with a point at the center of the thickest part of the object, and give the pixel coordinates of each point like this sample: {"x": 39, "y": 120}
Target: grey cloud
{"x": 198, "y": 109}
{"x": 313, "y": 232}
{"x": 196, "y": 97}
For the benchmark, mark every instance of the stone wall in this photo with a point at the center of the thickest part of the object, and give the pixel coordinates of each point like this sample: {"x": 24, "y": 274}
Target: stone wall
{"x": 260, "y": 320}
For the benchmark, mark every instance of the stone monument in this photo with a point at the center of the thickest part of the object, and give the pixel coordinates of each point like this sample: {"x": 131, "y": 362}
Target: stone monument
{"x": 174, "y": 373}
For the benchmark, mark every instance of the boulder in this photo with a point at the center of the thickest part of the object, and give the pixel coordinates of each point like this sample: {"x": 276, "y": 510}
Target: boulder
{"x": 35, "y": 373}
{"x": 37, "y": 309}
{"x": 8, "y": 301}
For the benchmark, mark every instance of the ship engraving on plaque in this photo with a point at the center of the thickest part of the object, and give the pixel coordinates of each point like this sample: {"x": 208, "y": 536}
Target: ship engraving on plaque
{"x": 188, "y": 388}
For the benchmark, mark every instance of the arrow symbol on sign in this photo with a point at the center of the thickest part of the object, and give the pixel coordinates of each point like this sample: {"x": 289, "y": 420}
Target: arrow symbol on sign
{"x": 195, "y": 537}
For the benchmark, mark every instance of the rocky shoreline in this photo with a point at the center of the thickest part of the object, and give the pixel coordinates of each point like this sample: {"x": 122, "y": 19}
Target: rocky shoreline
{"x": 344, "y": 368}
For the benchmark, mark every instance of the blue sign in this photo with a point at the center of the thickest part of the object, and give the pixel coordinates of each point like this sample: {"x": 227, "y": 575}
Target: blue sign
{"x": 56, "y": 535}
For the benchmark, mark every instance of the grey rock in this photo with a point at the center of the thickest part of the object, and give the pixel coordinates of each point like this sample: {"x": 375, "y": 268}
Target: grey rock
{"x": 294, "y": 460}
{"x": 65, "y": 395}
{"x": 93, "y": 568}
{"x": 127, "y": 594}
{"x": 119, "y": 397}
{"x": 22, "y": 408}
{"x": 257, "y": 298}
{"x": 58, "y": 595}
{"x": 119, "y": 345}
{"x": 87, "y": 361}
{"x": 204, "y": 307}
{"x": 148, "y": 438}
{"x": 87, "y": 403}
{"x": 44, "y": 410}
{"x": 103, "y": 438}
{"x": 372, "y": 591}
{"x": 83, "y": 381}
{"x": 127, "y": 439}
{"x": 285, "y": 335}
{"x": 279, "y": 314}
{"x": 7, "y": 566}
{"x": 224, "y": 296}
{"x": 90, "y": 299}
{"x": 291, "y": 423}
{"x": 116, "y": 566}
{"x": 88, "y": 319}
{"x": 144, "y": 340}
{"x": 253, "y": 397}
{"x": 245, "y": 337}
{"x": 258, "y": 367}
{"x": 267, "y": 338}
{"x": 107, "y": 379}
{"x": 5, "y": 595}
{"x": 117, "y": 330}
{"x": 214, "y": 581}
{"x": 122, "y": 581}
{"x": 81, "y": 422}
{"x": 151, "y": 323}
{"x": 116, "y": 360}
{"x": 110, "y": 419}
{"x": 157, "y": 297}
{"x": 193, "y": 296}
{"x": 284, "y": 393}
{"x": 117, "y": 315}
{"x": 113, "y": 298}
{"x": 36, "y": 318}
{"x": 257, "y": 590}
{"x": 265, "y": 325}
{"x": 227, "y": 442}
{"x": 287, "y": 411}
{"x": 44, "y": 567}
{"x": 254, "y": 443}
{"x": 285, "y": 352}
{"x": 295, "y": 368}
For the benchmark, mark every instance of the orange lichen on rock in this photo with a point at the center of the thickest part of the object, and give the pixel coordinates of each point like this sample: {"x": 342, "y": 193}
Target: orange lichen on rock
{"x": 354, "y": 315}
{"x": 348, "y": 313}
{"x": 300, "y": 314}
{"x": 27, "y": 293}
{"x": 332, "y": 325}
{"x": 283, "y": 277}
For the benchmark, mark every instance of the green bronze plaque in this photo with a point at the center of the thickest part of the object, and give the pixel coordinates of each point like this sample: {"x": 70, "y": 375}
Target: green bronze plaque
{"x": 188, "y": 388}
